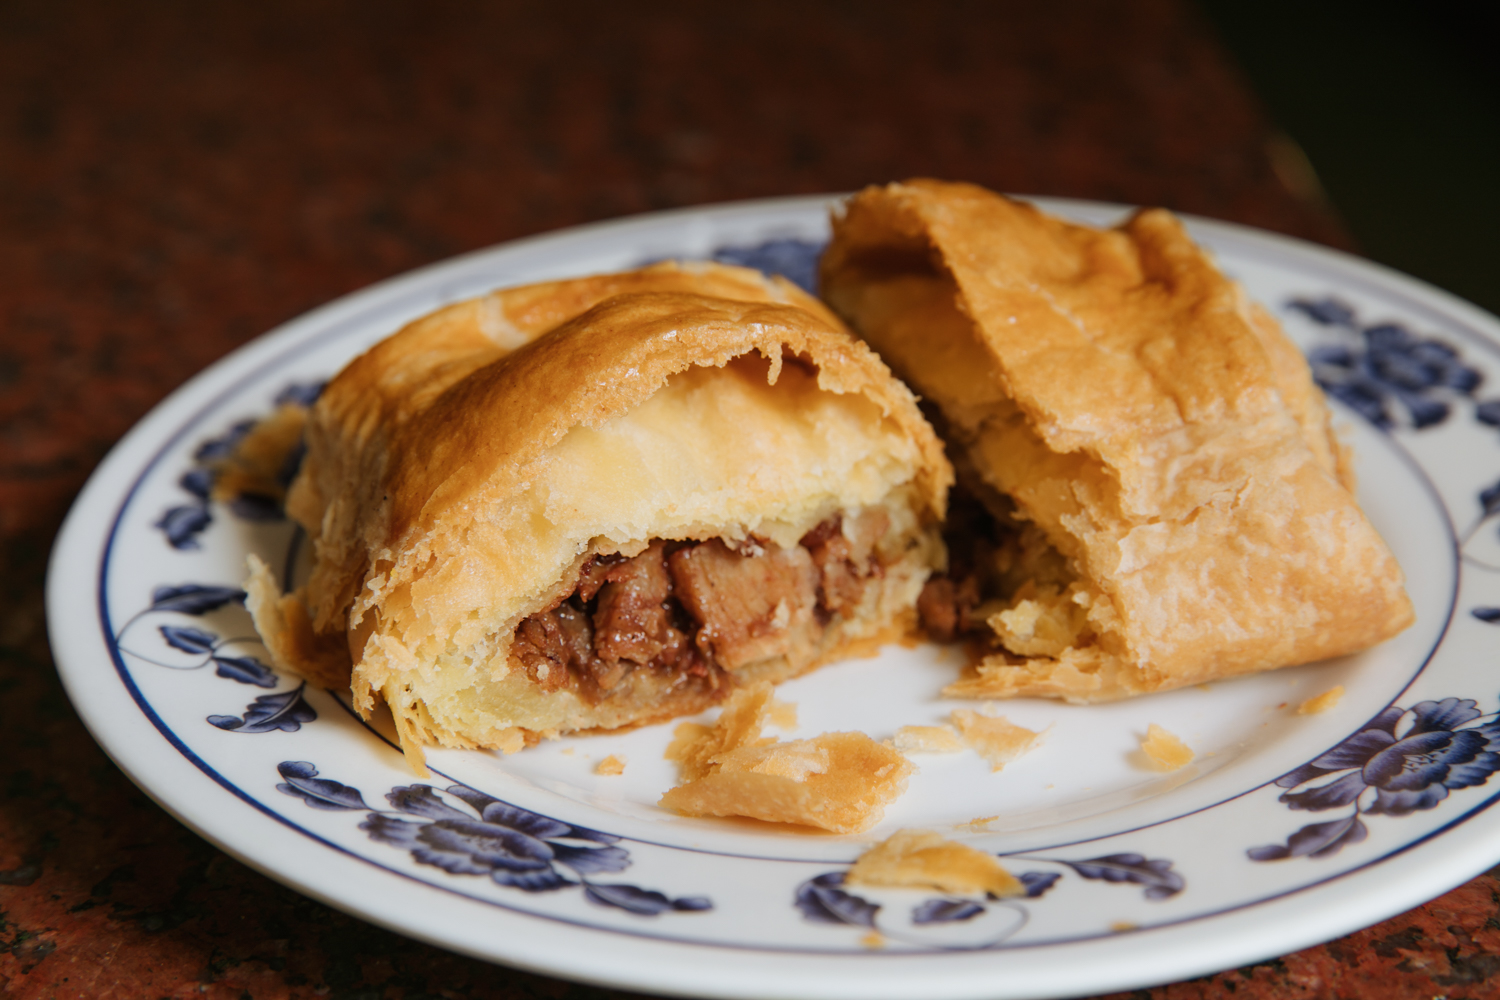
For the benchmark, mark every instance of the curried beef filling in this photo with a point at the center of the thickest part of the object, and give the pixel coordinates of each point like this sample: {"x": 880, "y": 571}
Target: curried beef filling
{"x": 991, "y": 556}
{"x": 697, "y": 609}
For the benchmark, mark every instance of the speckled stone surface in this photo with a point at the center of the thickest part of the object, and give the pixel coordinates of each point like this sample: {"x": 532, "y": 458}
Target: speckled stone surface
{"x": 176, "y": 178}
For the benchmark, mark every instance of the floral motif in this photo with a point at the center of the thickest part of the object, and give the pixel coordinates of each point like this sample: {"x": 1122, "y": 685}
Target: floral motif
{"x": 198, "y": 599}
{"x": 1489, "y": 510}
{"x": 1401, "y": 761}
{"x": 1155, "y": 874}
{"x": 795, "y": 260}
{"x": 183, "y": 523}
{"x": 1373, "y": 367}
{"x": 514, "y": 847}
{"x": 286, "y": 710}
{"x": 1377, "y": 365}
{"x": 824, "y": 899}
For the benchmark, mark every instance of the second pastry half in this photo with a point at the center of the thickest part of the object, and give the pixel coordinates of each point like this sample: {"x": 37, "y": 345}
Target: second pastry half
{"x": 1163, "y": 500}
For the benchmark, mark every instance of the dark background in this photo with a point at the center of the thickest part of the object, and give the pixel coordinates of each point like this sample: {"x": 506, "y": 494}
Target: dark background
{"x": 177, "y": 178}
{"x": 1396, "y": 104}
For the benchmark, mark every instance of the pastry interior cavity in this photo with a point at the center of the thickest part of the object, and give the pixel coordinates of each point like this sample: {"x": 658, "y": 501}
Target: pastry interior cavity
{"x": 741, "y": 521}
{"x": 1011, "y": 581}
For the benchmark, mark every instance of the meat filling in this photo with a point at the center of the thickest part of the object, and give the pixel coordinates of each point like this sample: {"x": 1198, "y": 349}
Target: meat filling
{"x": 750, "y": 605}
{"x": 697, "y": 609}
{"x": 993, "y": 560}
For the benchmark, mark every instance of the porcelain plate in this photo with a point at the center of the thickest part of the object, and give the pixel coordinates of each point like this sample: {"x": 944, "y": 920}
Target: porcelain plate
{"x": 1286, "y": 830}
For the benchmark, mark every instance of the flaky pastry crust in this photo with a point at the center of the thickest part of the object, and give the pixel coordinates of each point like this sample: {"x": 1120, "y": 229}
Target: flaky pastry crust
{"x": 461, "y": 475}
{"x": 1114, "y": 390}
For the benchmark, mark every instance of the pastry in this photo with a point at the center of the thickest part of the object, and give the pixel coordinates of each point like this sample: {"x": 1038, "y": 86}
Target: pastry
{"x": 921, "y": 859}
{"x": 603, "y": 502}
{"x": 1160, "y": 498}
{"x": 835, "y": 781}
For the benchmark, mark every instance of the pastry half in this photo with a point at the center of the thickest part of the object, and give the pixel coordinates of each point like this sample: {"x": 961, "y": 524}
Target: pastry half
{"x": 604, "y": 502}
{"x": 1161, "y": 499}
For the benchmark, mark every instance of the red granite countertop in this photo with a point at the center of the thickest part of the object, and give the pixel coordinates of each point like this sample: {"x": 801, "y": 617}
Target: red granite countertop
{"x": 176, "y": 178}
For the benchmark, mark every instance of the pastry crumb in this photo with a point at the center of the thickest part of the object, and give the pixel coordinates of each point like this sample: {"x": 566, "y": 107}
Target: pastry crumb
{"x": 613, "y": 764}
{"x": 979, "y": 823}
{"x": 874, "y": 939}
{"x": 923, "y": 859}
{"x": 837, "y": 781}
{"x": 511, "y": 740}
{"x": 568, "y": 751}
{"x": 927, "y": 739}
{"x": 1164, "y": 750}
{"x": 1322, "y": 702}
{"x": 994, "y": 738}
{"x": 1121, "y": 926}
{"x": 782, "y": 714}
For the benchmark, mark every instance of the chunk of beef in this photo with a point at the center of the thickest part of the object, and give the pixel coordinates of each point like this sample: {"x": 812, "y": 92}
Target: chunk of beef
{"x": 749, "y": 607}
{"x": 844, "y": 553}
{"x": 550, "y": 642}
{"x": 633, "y": 623}
{"x": 946, "y": 606}
{"x": 593, "y": 575}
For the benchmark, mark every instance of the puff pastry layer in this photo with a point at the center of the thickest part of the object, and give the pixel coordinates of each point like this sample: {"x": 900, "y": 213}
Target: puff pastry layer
{"x": 1172, "y": 505}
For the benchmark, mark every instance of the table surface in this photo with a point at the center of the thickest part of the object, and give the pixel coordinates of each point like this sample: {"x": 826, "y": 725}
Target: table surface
{"x": 177, "y": 178}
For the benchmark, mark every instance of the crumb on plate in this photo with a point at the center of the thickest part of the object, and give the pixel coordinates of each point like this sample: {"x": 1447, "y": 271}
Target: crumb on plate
{"x": 994, "y": 737}
{"x": 923, "y": 859}
{"x": 836, "y": 781}
{"x": 1164, "y": 750}
{"x": 927, "y": 739}
{"x": 1322, "y": 702}
{"x": 613, "y": 764}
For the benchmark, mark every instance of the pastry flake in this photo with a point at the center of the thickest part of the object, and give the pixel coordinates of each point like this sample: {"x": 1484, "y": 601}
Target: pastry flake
{"x": 994, "y": 738}
{"x": 1165, "y": 751}
{"x": 1322, "y": 702}
{"x": 927, "y": 739}
{"x": 837, "y": 781}
{"x": 923, "y": 859}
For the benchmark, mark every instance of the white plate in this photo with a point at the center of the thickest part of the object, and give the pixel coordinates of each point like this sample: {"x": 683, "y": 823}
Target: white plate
{"x": 1139, "y": 877}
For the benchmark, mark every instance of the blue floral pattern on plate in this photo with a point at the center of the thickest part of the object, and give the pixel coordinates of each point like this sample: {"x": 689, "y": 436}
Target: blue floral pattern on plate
{"x": 183, "y": 523}
{"x": 1371, "y": 367}
{"x": 1399, "y": 762}
{"x": 515, "y": 847}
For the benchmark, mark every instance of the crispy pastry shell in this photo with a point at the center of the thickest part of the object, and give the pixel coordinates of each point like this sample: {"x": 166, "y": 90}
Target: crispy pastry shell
{"x": 460, "y": 474}
{"x": 1133, "y": 405}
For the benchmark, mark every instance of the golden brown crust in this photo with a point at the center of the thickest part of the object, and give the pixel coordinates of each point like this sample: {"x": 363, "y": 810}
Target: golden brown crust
{"x": 436, "y": 486}
{"x": 1160, "y": 430}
